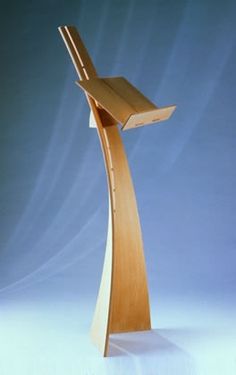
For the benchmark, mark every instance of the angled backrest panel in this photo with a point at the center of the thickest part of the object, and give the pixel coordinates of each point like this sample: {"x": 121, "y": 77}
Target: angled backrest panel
{"x": 130, "y": 94}
{"x": 108, "y": 98}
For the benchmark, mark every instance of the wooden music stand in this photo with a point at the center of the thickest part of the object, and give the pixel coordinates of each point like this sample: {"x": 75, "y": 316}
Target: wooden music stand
{"x": 123, "y": 300}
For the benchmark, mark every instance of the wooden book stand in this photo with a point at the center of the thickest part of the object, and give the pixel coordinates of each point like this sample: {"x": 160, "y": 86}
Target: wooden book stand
{"x": 123, "y": 300}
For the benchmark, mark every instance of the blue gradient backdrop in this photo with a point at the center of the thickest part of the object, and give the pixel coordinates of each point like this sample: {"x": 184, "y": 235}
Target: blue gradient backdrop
{"x": 53, "y": 185}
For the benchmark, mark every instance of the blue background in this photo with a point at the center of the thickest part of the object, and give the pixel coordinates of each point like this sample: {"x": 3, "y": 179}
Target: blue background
{"x": 53, "y": 186}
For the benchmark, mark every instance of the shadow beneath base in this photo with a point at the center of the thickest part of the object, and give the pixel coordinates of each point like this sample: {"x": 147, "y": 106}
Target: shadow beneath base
{"x": 152, "y": 353}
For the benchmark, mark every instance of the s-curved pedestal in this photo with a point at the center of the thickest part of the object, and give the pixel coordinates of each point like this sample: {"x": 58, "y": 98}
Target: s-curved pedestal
{"x": 123, "y": 301}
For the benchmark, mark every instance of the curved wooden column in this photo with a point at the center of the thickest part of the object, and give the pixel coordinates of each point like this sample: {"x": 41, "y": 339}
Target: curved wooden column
{"x": 123, "y": 302}
{"x": 129, "y": 292}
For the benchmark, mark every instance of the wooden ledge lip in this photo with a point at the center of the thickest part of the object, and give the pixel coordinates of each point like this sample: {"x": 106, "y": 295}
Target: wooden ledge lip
{"x": 147, "y": 118}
